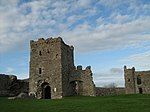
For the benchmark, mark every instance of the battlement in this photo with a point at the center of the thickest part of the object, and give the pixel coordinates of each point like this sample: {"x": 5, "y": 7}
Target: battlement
{"x": 129, "y": 69}
{"x": 79, "y": 67}
{"x": 50, "y": 40}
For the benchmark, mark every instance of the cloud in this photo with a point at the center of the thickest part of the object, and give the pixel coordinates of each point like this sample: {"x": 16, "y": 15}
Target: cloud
{"x": 84, "y": 3}
{"x": 114, "y": 75}
{"x": 111, "y": 3}
{"x": 109, "y": 36}
{"x": 102, "y": 79}
{"x": 23, "y": 76}
{"x": 28, "y": 20}
{"x": 11, "y": 2}
{"x": 70, "y": 19}
{"x": 141, "y": 61}
{"x": 116, "y": 70}
{"x": 9, "y": 70}
{"x": 100, "y": 21}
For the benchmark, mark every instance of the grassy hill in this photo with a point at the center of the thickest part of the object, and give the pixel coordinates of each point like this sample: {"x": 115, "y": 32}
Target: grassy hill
{"x": 122, "y": 103}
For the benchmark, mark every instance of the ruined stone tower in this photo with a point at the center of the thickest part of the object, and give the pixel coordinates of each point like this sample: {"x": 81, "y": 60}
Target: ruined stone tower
{"x": 52, "y": 71}
{"x": 129, "y": 80}
{"x": 136, "y": 81}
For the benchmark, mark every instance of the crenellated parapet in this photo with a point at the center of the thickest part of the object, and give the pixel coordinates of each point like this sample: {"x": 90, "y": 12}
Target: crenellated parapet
{"x": 129, "y": 69}
{"x": 46, "y": 41}
{"x": 79, "y": 67}
{"x": 83, "y": 77}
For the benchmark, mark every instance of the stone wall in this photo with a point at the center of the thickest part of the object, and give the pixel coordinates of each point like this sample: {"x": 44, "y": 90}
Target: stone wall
{"x": 136, "y": 81}
{"x": 88, "y": 84}
{"x": 46, "y": 67}
{"x": 145, "y": 81}
{"x": 67, "y": 61}
{"x": 109, "y": 91}
{"x": 11, "y": 86}
{"x": 52, "y": 63}
{"x": 83, "y": 80}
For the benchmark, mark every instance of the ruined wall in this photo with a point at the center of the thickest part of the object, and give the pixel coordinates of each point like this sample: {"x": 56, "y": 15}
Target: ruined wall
{"x": 46, "y": 55}
{"x": 88, "y": 84}
{"x": 76, "y": 82}
{"x": 136, "y": 81}
{"x": 100, "y": 91}
{"x": 11, "y": 86}
{"x": 5, "y": 82}
{"x": 67, "y": 60}
{"x": 144, "y": 83}
{"x": 84, "y": 81}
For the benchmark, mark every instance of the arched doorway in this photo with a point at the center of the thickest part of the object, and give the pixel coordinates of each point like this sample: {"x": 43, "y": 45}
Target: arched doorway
{"x": 46, "y": 91}
{"x": 76, "y": 87}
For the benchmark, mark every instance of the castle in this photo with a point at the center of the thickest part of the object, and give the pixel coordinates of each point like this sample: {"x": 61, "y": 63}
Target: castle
{"x": 136, "y": 81}
{"x": 53, "y": 74}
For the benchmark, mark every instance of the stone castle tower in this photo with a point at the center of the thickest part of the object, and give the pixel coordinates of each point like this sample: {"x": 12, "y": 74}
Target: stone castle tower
{"x": 52, "y": 71}
{"x": 136, "y": 81}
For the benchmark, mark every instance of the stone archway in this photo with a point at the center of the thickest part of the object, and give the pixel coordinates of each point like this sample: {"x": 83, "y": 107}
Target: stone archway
{"x": 76, "y": 87}
{"x": 46, "y": 91}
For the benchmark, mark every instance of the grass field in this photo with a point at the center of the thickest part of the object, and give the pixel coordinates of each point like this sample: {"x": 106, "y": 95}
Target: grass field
{"x": 122, "y": 103}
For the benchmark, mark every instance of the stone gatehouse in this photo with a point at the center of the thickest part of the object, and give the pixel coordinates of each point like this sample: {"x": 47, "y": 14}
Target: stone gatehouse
{"x": 136, "y": 81}
{"x": 53, "y": 73}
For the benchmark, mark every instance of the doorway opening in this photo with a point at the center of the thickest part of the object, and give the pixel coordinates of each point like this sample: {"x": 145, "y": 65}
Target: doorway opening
{"x": 140, "y": 90}
{"x": 77, "y": 87}
{"x": 46, "y": 91}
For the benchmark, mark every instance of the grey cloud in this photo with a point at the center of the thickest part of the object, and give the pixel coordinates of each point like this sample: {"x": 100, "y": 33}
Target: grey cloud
{"x": 110, "y": 36}
{"x": 116, "y": 70}
{"x": 114, "y": 75}
{"x": 46, "y": 19}
{"x": 140, "y": 60}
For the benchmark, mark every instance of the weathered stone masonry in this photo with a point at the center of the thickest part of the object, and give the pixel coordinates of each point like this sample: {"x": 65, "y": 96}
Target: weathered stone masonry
{"x": 101, "y": 91}
{"x": 52, "y": 71}
{"x": 136, "y": 81}
{"x": 11, "y": 86}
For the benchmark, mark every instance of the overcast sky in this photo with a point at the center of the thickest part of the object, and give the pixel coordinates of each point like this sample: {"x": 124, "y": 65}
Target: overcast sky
{"x": 106, "y": 34}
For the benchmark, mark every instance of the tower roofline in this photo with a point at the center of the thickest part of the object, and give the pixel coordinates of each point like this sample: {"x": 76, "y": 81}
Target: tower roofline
{"x": 50, "y": 40}
{"x": 125, "y": 68}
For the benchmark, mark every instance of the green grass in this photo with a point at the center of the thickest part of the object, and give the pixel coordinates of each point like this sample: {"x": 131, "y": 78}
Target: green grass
{"x": 122, "y": 103}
